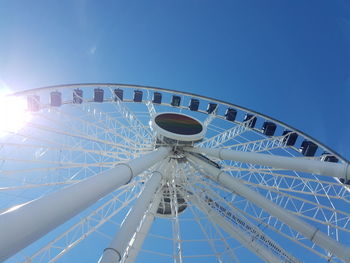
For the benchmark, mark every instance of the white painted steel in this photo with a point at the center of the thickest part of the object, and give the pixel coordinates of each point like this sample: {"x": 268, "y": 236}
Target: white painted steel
{"x": 88, "y": 225}
{"x": 23, "y": 224}
{"x": 143, "y": 230}
{"x": 339, "y": 170}
{"x": 177, "y": 246}
{"x": 115, "y": 251}
{"x": 266, "y": 144}
{"x": 65, "y": 145}
{"x": 225, "y": 136}
{"x": 307, "y": 230}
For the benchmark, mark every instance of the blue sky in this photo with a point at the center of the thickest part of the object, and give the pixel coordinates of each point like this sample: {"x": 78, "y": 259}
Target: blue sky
{"x": 286, "y": 59}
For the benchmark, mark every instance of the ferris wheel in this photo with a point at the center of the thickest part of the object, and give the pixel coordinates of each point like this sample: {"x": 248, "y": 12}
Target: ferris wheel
{"x": 124, "y": 173}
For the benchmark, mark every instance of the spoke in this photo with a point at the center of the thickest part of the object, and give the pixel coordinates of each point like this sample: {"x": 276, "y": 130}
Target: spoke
{"x": 299, "y": 188}
{"x": 315, "y": 209}
{"x": 210, "y": 118}
{"x": 105, "y": 123}
{"x": 262, "y": 145}
{"x": 68, "y": 148}
{"x": 133, "y": 121}
{"x": 34, "y": 138}
{"x": 122, "y": 148}
{"x": 123, "y": 111}
{"x": 295, "y": 177}
{"x": 211, "y": 242}
{"x": 150, "y": 106}
{"x": 151, "y": 109}
{"x": 298, "y": 184}
{"x": 226, "y": 135}
{"x": 219, "y": 255}
{"x": 302, "y": 191}
{"x": 70, "y": 134}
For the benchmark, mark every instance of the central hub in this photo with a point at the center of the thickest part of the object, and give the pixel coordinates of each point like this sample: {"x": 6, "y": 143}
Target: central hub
{"x": 176, "y": 128}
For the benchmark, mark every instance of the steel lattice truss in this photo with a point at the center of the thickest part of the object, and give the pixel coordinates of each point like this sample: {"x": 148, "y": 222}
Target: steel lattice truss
{"x": 192, "y": 215}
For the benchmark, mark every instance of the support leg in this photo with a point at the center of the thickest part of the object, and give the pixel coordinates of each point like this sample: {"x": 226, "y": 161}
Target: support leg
{"x": 144, "y": 228}
{"x": 116, "y": 249}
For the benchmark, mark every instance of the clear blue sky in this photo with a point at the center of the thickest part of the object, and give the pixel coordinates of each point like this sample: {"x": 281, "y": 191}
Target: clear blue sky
{"x": 286, "y": 59}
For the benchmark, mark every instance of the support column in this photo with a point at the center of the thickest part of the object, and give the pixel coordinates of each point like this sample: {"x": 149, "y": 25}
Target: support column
{"x": 23, "y": 224}
{"x": 116, "y": 249}
{"x": 273, "y": 209}
{"x": 144, "y": 228}
{"x": 281, "y": 162}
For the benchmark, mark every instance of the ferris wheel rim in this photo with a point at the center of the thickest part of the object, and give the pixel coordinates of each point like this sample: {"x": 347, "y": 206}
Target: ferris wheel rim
{"x": 146, "y": 87}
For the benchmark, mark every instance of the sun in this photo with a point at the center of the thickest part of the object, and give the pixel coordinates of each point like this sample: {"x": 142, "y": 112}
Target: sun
{"x": 13, "y": 114}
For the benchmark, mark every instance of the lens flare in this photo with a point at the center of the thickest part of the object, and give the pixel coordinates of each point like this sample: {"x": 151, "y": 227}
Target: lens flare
{"x": 13, "y": 114}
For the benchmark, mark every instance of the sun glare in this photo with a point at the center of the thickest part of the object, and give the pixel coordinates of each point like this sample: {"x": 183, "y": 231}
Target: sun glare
{"x": 13, "y": 114}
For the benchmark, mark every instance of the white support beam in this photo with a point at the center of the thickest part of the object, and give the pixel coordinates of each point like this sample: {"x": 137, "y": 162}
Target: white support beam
{"x": 88, "y": 225}
{"x": 262, "y": 145}
{"x": 143, "y": 230}
{"x": 138, "y": 127}
{"x": 210, "y": 118}
{"x": 339, "y": 170}
{"x": 25, "y": 223}
{"x": 151, "y": 110}
{"x": 117, "y": 247}
{"x": 307, "y": 230}
{"x": 101, "y": 120}
{"x": 177, "y": 246}
{"x": 227, "y": 135}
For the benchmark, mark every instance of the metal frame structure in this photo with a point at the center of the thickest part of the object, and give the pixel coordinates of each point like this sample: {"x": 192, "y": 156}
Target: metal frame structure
{"x": 96, "y": 167}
